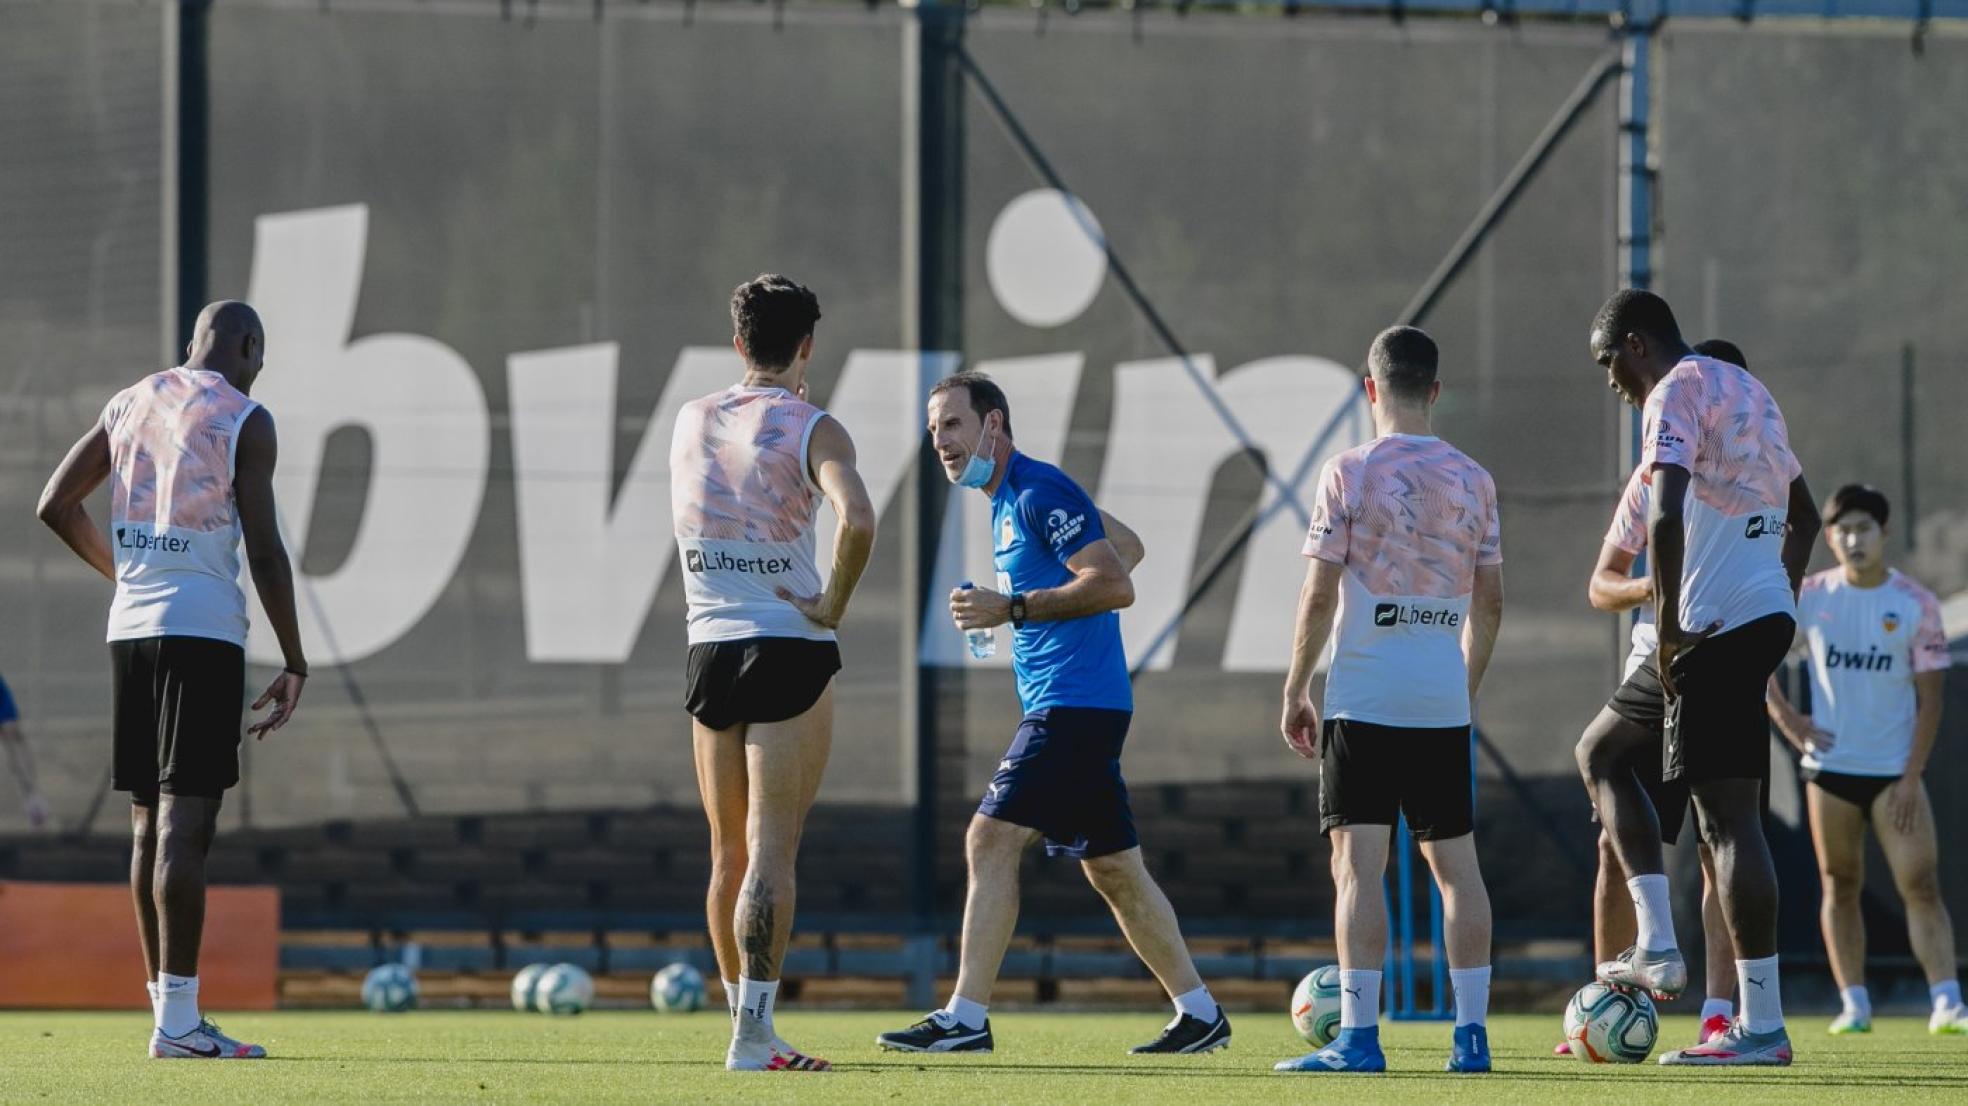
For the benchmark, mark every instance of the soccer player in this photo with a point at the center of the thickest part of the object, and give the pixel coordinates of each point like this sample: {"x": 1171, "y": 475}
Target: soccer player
{"x": 1062, "y": 577}
{"x": 749, "y": 466}
{"x": 189, "y": 457}
{"x": 1878, "y": 665}
{"x": 1730, "y": 522}
{"x": 1406, "y": 559}
{"x": 1638, "y": 702}
{"x": 20, "y": 760}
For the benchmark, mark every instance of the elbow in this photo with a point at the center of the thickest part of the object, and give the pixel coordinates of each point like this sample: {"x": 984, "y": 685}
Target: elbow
{"x": 860, "y": 520}
{"x": 1597, "y": 597}
{"x": 1121, "y": 593}
{"x": 50, "y": 511}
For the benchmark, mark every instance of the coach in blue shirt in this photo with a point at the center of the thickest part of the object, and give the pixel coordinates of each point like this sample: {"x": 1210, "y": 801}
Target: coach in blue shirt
{"x": 1062, "y": 579}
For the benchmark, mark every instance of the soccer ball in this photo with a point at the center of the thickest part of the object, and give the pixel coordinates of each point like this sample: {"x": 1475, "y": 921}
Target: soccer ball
{"x": 1315, "y": 1006}
{"x": 1606, "y": 1025}
{"x": 677, "y": 989}
{"x": 389, "y": 989}
{"x": 526, "y": 985}
{"x": 564, "y": 989}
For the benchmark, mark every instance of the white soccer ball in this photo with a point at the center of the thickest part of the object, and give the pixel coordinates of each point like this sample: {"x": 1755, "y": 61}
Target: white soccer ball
{"x": 1315, "y": 1006}
{"x": 526, "y": 986}
{"x": 677, "y": 989}
{"x": 1606, "y": 1025}
{"x": 564, "y": 989}
{"x": 389, "y": 989}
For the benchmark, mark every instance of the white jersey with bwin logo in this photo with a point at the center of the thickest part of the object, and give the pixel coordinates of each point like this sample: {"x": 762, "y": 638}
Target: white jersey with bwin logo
{"x": 1865, "y": 646}
{"x": 744, "y": 503}
{"x": 173, "y": 525}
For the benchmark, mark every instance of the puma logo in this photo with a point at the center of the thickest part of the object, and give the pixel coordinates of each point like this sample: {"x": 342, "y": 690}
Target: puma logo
{"x": 1354, "y": 991}
{"x": 1757, "y": 982}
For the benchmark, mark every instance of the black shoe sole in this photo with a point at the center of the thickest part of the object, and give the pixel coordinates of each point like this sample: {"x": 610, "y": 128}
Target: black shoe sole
{"x": 1212, "y": 1043}
{"x": 897, "y": 1046}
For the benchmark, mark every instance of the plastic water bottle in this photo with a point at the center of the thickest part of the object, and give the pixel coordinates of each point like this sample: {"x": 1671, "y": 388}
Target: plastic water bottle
{"x": 983, "y": 643}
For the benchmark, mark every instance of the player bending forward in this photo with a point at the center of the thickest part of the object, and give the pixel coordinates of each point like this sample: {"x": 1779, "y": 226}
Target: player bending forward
{"x": 1062, "y": 577}
{"x": 1878, "y": 661}
{"x": 749, "y": 467}
{"x": 1407, "y": 558}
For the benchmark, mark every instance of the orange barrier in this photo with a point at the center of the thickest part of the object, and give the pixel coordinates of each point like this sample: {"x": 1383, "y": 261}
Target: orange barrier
{"x": 74, "y": 946}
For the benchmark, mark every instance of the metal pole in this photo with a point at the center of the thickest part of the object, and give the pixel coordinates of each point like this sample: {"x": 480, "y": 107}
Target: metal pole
{"x": 1635, "y": 232}
{"x": 932, "y": 262}
{"x": 192, "y": 158}
{"x": 1908, "y": 516}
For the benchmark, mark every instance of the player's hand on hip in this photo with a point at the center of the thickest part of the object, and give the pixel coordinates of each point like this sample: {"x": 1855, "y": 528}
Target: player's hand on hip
{"x": 814, "y": 607}
{"x": 284, "y": 695}
{"x": 1675, "y": 641}
{"x": 1817, "y": 740}
{"x": 1903, "y": 803}
{"x": 1301, "y": 726}
{"x": 978, "y": 608}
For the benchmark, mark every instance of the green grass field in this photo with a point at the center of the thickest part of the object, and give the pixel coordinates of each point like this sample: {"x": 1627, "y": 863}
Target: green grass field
{"x": 1056, "y": 1059}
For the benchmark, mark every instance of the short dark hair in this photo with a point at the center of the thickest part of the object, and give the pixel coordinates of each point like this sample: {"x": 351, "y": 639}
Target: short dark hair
{"x": 985, "y": 395}
{"x": 1634, "y": 311}
{"x": 1856, "y": 497}
{"x": 1404, "y": 360}
{"x": 1723, "y": 350}
{"x": 772, "y": 315}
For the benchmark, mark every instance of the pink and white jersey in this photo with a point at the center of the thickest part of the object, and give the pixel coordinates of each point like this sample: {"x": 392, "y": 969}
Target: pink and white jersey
{"x": 1720, "y": 423}
{"x": 1409, "y": 518}
{"x": 744, "y": 504}
{"x": 1629, "y": 532}
{"x": 1866, "y": 645}
{"x": 174, "y": 528}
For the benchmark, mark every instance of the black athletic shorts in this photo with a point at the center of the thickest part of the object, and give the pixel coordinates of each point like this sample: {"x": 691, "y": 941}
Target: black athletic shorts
{"x": 1370, "y": 774}
{"x": 1639, "y": 700}
{"x": 1860, "y": 791}
{"x": 1716, "y": 727}
{"x": 1062, "y": 777}
{"x": 178, "y": 704}
{"x": 761, "y": 679}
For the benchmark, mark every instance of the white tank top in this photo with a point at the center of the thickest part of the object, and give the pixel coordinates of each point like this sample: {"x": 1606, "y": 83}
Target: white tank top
{"x": 174, "y": 527}
{"x": 744, "y": 503}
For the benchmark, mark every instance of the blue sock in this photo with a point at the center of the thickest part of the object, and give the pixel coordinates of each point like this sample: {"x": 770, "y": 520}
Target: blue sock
{"x": 1359, "y": 1036}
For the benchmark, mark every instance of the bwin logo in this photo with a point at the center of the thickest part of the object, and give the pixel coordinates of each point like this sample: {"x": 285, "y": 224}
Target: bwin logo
{"x": 1394, "y": 614}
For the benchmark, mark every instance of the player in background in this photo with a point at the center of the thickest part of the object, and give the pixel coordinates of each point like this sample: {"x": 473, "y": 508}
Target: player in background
{"x": 1062, "y": 579}
{"x": 189, "y": 457}
{"x": 19, "y": 760}
{"x": 750, "y": 465}
{"x": 1406, "y": 559}
{"x": 1639, "y": 702}
{"x": 1879, "y": 661}
{"x": 1730, "y": 522}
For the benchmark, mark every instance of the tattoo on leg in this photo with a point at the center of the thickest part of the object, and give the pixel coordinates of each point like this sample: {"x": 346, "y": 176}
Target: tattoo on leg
{"x": 755, "y": 929}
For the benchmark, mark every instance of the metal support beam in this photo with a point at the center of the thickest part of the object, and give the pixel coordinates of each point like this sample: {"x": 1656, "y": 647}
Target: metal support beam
{"x": 192, "y": 158}
{"x": 1635, "y": 232}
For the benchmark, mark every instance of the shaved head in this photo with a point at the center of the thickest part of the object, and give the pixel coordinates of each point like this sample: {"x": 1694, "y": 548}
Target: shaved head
{"x": 230, "y": 319}
{"x": 228, "y": 339}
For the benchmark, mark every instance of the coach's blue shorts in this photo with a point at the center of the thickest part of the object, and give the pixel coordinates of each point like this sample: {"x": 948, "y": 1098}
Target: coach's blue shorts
{"x": 8, "y": 711}
{"x": 1062, "y": 777}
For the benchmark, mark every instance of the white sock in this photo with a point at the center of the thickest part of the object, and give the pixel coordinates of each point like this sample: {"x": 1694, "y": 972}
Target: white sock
{"x": 1197, "y": 1004}
{"x": 1856, "y": 1001}
{"x": 1762, "y": 1002}
{"x": 968, "y": 1014}
{"x": 1654, "y": 912}
{"x": 1947, "y": 996}
{"x": 730, "y": 996}
{"x": 755, "y": 1001}
{"x": 1359, "y": 999}
{"x": 177, "y": 1004}
{"x": 1718, "y": 1007}
{"x": 1472, "y": 991}
{"x": 150, "y": 985}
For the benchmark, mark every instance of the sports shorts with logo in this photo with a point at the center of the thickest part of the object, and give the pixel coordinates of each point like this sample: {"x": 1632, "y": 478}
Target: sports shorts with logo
{"x": 753, "y": 680}
{"x": 1062, "y": 777}
{"x": 1640, "y": 700}
{"x": 1716, "y": 726}
{"x": 1371, "y": 775}
{"x": 178, "y": 703}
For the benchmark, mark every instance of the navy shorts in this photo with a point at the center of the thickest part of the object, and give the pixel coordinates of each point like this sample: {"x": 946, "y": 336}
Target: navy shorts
{"x": 1062, "y": 777}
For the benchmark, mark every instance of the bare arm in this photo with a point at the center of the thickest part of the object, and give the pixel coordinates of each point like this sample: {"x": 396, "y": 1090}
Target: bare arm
{"x": 1613, "y": 587}
{"x": 273, "y": 574}
{"x": 62, "y": 505}
{"x": 1100, "y": 584}
{"x": 1929, "y": 691}
{"x": 1126, "y": 542}
{"x": 1318, "y": 606}
{"x": 1479, "y": 633}
{"x": 1801, "y": 533}
{"x": 830, "y": 455}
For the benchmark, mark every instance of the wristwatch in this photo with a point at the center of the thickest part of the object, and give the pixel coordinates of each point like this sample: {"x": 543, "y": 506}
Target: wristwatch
{"x": 1017, "y": 609}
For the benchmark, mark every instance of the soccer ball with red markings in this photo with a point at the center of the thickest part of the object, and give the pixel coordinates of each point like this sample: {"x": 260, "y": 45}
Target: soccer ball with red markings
{"x": 1607, "y": 1025}
{"x": 1315, "y": 1006}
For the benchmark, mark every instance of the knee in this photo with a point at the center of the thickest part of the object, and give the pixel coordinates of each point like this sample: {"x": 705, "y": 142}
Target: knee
{"x": 1842, "y": 886}
{"x": 989, "y": 843}
{"x": 1921, "y": 888}
{"x": 1609, "y": 861}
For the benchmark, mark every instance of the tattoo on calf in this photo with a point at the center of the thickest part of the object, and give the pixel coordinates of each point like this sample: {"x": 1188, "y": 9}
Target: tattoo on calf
{"x": 756, "y": 918}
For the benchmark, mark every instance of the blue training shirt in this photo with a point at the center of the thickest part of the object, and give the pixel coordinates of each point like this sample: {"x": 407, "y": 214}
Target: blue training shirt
{"x": 1040, "y": 518}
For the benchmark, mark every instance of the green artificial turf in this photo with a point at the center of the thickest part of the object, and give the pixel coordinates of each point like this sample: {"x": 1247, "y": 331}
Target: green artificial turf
{"x": 1048, "y": 1058}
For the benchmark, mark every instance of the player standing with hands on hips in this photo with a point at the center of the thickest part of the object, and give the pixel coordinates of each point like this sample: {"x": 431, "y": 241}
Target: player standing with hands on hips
{"x": 1406, "y": 558}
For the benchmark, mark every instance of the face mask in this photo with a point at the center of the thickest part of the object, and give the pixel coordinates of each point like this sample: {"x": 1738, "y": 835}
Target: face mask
{"x": 977, "y": 471}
